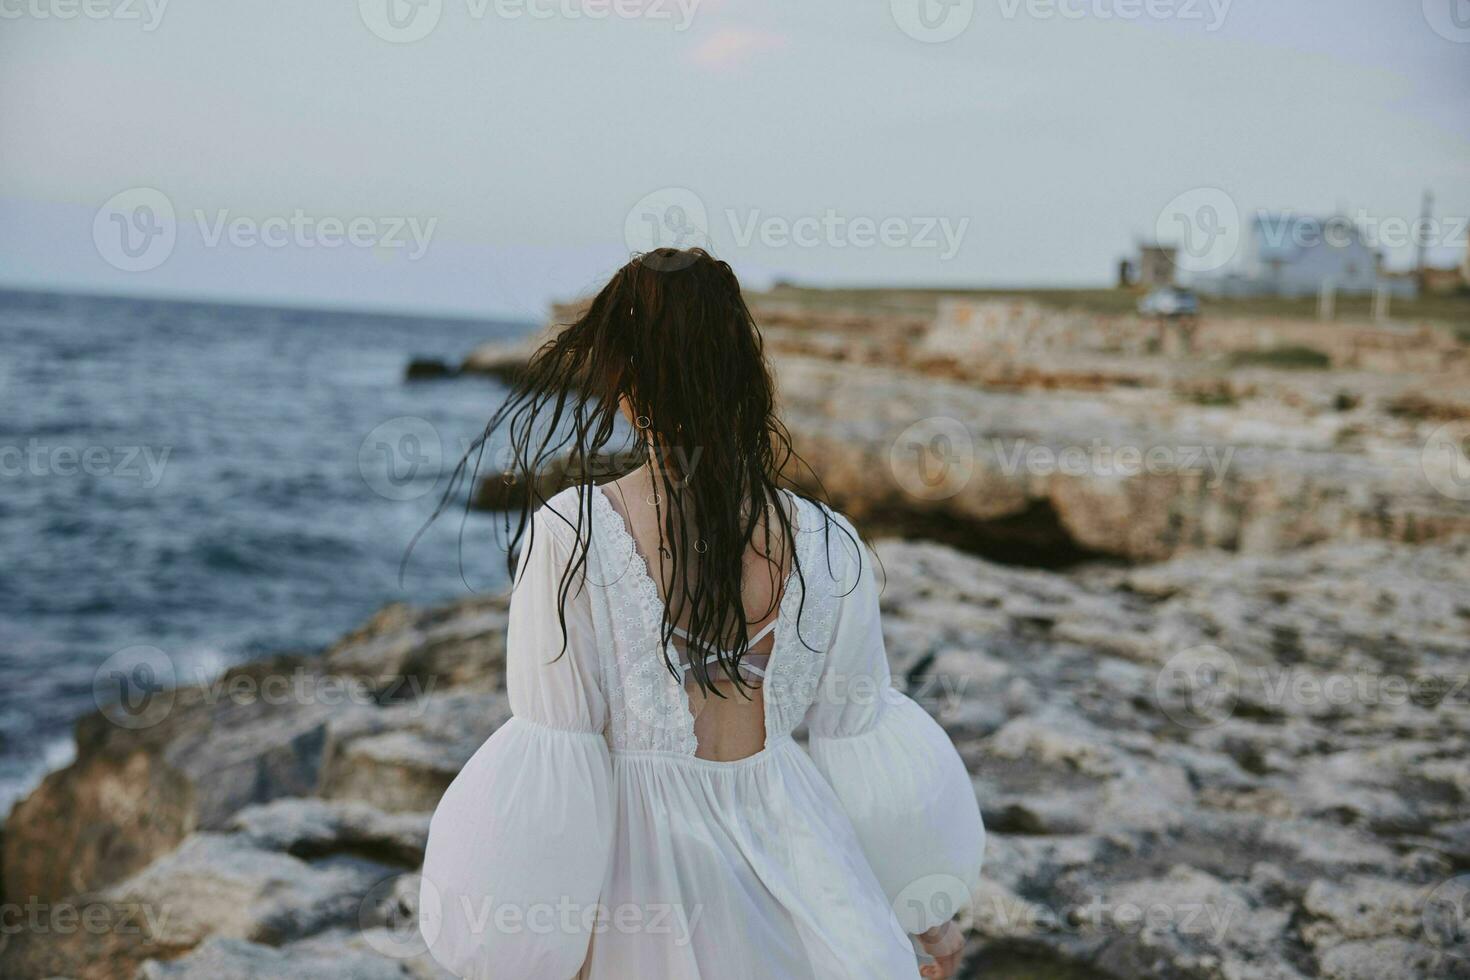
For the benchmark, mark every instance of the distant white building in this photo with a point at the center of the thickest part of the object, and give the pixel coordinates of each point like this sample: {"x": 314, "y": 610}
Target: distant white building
{"x": 1293, "y": 255}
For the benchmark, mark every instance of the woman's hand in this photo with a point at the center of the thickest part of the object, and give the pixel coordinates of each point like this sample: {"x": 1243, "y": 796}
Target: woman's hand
{"x": 944, "y": 943}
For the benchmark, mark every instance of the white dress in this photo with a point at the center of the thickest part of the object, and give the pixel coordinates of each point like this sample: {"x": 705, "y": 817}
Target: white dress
{"x": 585, "y": 839}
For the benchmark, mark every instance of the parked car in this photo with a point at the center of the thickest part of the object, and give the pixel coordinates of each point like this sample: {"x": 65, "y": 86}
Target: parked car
{"x": 1171, "y": 301}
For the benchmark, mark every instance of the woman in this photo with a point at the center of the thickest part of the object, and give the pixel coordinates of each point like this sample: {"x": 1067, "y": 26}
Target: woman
{"x": 646, "y": 812}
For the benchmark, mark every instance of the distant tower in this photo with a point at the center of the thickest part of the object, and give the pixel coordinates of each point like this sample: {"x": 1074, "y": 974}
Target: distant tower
{"x": 1465, "y": 265}
{"x": 1421, "y": 260}
{"x": 1156, "y": 264}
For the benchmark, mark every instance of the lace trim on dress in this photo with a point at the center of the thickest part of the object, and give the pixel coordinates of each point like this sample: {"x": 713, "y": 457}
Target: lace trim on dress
{"x": 647, "y": 692}
{"x": 810, "y": 613}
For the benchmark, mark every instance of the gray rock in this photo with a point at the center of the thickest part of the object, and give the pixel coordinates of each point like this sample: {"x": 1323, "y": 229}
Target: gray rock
{"x": 407, "y": 654}
{"x": 236, "y": 959}
{"x": 309, "y": 828}
{"x": 225, "y": 885}
{"x": 1391, "y": 959}
{"x": 403, "y": 758}
{"x": 1191, "y": 924}
{"x": 1362, "y": 907}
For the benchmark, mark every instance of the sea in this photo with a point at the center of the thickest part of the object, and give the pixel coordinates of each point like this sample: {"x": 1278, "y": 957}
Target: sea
{"x": 215, "y": 483}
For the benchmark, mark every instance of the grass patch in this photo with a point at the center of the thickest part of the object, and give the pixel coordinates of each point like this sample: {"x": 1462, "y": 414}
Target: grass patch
{"x": 1289, "y": 358}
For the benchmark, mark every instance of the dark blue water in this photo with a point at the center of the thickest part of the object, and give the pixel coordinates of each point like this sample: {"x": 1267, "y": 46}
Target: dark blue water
{"x": 216, "y": 482}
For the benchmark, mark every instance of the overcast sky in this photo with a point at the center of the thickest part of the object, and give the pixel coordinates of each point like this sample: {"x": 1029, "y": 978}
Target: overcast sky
{"x": 486, "y": 156}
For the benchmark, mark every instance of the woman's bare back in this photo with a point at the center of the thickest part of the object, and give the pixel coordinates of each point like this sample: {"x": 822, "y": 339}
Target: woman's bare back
{"x": 729, "y": 724}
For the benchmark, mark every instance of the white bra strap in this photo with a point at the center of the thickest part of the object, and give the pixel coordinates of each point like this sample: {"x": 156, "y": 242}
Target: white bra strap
{"x": 748, "y": 668}
{"x": 764, "y": 632}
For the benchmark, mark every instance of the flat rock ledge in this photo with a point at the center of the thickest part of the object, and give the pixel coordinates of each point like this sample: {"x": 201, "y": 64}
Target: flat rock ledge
{"x": 1245, "y": 767}
{"x": 1049, "y": 438}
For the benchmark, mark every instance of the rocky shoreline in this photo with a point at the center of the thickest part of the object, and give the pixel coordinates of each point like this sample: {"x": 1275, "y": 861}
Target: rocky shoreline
{"x": 1233, "y": 749}
{"x": 1295, "y": 815}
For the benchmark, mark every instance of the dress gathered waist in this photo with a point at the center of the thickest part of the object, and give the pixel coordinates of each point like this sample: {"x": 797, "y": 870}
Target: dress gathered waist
{"x": 774, "y": 743}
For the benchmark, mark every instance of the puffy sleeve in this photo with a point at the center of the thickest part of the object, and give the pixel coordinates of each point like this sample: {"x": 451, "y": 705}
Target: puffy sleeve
{"x": 520, "y": 842}
{"x": 895, "y": 771}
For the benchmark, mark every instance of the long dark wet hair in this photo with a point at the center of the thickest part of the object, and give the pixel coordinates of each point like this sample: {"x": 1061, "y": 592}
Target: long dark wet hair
{"x": 670, "y": 333}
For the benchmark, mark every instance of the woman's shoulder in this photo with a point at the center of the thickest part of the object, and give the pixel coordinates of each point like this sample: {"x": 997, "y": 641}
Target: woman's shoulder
{"x": 812, "y": 514}
{"x": 822, "y": 528}
{"x": 565, "y": 514}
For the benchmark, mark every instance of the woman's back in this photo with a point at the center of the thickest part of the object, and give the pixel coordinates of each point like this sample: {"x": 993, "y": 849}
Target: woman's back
{"x": 627, "y": 613}
{"x": 646, "y": 812}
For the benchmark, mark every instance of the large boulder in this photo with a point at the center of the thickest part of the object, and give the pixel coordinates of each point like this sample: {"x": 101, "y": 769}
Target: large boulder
{"x": 134, "y": 793}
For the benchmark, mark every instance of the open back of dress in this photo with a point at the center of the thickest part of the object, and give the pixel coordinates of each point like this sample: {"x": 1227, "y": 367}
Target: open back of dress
{"x": 729, "y": 719}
